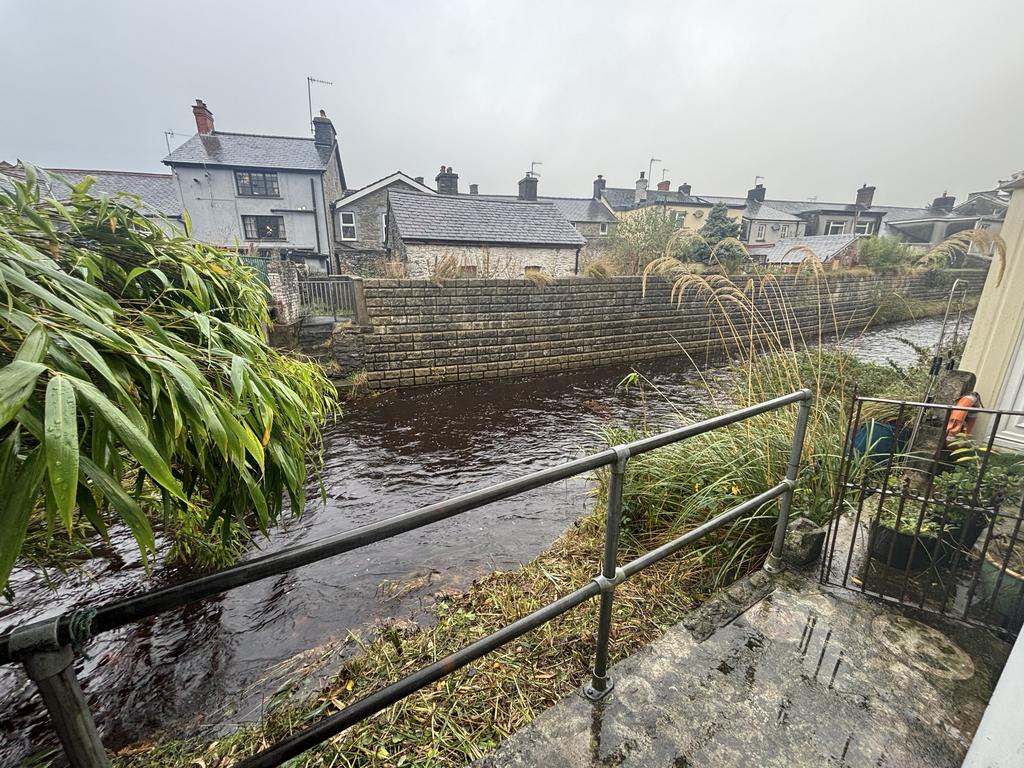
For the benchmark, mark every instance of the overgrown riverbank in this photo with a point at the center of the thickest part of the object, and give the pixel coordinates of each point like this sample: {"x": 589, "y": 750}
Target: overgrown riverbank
{"x": 460, "y": 718}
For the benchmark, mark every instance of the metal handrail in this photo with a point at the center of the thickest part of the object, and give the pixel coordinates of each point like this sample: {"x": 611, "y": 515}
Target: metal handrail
{"x": 44, "y": 646}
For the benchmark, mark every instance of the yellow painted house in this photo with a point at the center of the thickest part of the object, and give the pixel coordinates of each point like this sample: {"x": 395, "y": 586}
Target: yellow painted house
{"x": 995, "y": 348}
{"x": 686, "y": 210}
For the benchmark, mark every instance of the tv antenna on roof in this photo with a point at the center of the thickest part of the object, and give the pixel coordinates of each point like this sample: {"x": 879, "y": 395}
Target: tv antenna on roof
{"x": 169, "y": 134}
{"x": 534, "y": 164}
{"x": 650, "y": 166}
{"x": 663, "y": 172}
{"x": 758, "y": 179}
{"x": 309, "y": 97}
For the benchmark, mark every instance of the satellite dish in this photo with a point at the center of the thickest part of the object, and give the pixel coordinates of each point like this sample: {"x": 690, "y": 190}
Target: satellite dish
{"x": 698, "y": 214}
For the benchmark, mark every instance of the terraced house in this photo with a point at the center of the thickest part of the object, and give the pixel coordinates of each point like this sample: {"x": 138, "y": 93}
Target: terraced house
{"x": 268, "y": 194}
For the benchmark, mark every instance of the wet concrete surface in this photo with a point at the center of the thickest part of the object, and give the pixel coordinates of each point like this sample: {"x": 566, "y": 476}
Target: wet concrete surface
{"x": 803, "y": 678}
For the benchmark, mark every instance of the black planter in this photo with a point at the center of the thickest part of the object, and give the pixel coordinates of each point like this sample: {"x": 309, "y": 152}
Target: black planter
{"x": 906, "y": 555}
{"x": 962, "y": 536}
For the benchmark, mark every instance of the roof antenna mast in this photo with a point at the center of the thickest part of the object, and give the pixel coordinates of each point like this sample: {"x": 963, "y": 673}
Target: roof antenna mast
{"x": 309, "y": 98}
{"x": 534, "y": 164}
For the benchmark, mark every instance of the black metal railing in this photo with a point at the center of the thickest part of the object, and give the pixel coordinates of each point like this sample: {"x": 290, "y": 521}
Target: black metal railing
{"x": 327, "y": 296}
{"x": 44, "y": 648}
{"x": 930, "y": 516}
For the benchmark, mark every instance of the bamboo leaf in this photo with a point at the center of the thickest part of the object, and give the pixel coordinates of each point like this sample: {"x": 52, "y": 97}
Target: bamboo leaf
{"x": 20, "y": 488}
{"x": 61, "y": 430}
{"x": 17, "y": 382}
{"x": 135, "y": 441}
{"x": 33, "y": 348}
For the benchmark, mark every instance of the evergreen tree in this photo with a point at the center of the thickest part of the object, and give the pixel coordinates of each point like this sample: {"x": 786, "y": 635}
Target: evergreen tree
{"x": 718, "y": 227}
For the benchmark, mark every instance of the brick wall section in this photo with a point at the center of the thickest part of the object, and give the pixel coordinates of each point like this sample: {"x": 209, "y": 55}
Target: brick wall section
{"x": 418, "y": 332}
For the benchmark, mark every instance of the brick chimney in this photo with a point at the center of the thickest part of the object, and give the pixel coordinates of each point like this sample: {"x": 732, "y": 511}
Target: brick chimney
{"x": 323, "y": 130}
{"x": 528, "y": 187}
{"x": 599, "y": 185}
{"x": 204, "y": 117}
{"x": 664, "y": 186}
{"x": 865, "y": 195}
{"x": 447, "y": 182}
{"x": 418, "y": 179}
{"x": 474, "y": 189}
{"x": 685, "y": 189}
{"x": 641, "y": 188}
{"x": 944, "y": 203}
{"x": 757, "y": 193}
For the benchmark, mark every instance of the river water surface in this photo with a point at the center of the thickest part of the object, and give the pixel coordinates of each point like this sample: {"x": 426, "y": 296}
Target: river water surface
{"x": 211, "y": 664}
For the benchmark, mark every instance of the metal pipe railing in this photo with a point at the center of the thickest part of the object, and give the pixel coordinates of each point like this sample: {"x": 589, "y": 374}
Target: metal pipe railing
{"x": 34, "y": 643}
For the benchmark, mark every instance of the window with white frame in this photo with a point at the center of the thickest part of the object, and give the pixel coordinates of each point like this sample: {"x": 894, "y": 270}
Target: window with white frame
{"x": 603, "y": 228}
{"x": 864, "y": 227}
{"x": 784, "y": 231}
{"x": 384, "y": 226}
{"x": 348, "y": 225}
{"x": 759, "y": 233}
{"x": 835, "y": 227}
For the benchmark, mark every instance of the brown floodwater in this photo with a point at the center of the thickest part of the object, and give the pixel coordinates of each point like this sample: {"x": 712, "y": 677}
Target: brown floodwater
{"x": 212, "y": 664}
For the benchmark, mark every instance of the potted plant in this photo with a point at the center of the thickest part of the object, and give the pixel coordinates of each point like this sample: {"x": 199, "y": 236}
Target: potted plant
{"x": 1002, "y": 581}
{"x": 903, "y": 535}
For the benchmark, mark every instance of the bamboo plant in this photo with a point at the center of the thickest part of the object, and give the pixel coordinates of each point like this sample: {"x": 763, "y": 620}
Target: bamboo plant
{"x": 135, "y": 384}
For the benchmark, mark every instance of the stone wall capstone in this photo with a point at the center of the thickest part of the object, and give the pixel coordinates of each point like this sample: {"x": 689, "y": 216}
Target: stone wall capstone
{"x": 419, "y": 332}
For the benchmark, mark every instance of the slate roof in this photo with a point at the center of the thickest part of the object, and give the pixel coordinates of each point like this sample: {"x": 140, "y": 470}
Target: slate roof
{"x": 157, "y": 190}
{"x": 582, "y": 209}
{"x": 470, "y": 219}
{"x": 622, "y": 198}
{"x": 619, "y": 198}
{"x": 825, "y": 247}
{"x": 252, "y": 150}
{"x": 764, "y": 212}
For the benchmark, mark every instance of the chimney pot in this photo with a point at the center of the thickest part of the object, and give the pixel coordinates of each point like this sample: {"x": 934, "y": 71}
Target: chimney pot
{"x": 528, "y": 187}
{"x": 865, "y": 196}
{"x": 640, "y": 195}
{"x": 323, "y": 130}
{"x": 944, "y": 203}
{"x": 685, "y": 188}
{"x": 599, "y": 185}
{"x": 203, "y": 116}
{"x": 664, "y": 186}
{"x": 474, "y": 189}
{"x": 447, "y": 182}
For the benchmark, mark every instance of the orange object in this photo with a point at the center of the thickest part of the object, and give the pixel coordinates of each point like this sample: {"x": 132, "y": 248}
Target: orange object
{"x": 961, "y": 421}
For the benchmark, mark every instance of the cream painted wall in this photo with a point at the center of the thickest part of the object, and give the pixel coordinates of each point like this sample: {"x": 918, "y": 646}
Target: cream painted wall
{"x": 691, "y": 220}
{"x": 998, "y": 329}
{"x": 500, "y": 262}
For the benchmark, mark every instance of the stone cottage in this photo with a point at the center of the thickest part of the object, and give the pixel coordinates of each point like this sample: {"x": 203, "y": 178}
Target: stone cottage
{"x": 361, "y": 223}
{"x": 485, "y": 237}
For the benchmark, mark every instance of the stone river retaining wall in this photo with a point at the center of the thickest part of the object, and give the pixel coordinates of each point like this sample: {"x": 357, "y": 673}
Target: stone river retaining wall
{"x": 418, "y": 332}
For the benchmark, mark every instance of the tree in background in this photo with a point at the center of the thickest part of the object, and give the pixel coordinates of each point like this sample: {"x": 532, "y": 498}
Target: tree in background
{"x": 642, "y": 236}
{"x": 884, "y": 255}
{"x": 710, "y": 249}
{"x": 135, "y": 385}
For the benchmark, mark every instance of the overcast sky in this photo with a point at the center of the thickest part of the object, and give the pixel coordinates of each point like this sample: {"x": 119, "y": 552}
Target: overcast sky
{"x": 817, "y": 97}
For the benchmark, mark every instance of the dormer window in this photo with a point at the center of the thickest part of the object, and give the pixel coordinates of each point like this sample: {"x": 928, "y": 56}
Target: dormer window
{"x": 256, "y": 184}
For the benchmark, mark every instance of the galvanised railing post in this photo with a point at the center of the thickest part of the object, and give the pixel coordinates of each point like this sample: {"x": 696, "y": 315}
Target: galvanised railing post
{"x": 51, "y": 667}
{"x": 600, "y": 683}
{"x": 773, "y": 563}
